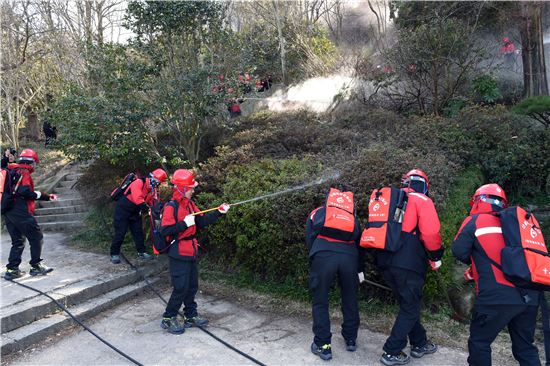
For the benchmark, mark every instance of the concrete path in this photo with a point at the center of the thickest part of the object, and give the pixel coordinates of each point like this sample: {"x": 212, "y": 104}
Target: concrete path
{"x": 273, "y": 340}
{"x": 134, "y": 328}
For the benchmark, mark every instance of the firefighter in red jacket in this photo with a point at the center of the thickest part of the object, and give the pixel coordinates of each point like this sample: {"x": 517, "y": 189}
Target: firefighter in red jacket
{"x": 19, "y": 218}
{"x": 183, "y": 225}
{"x": 138, "y": 197}
{"x": 499, "y": 303}
{"x": 330, "y": 257}
{"x": 405, "y": 270}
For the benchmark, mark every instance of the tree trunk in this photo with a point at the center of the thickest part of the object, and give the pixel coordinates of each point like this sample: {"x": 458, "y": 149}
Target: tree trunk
{"x": 281, "y": 41}
{"x": 534, "y": 67}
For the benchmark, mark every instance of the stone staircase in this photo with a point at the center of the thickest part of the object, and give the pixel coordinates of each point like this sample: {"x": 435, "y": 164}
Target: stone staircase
{"x": 69, "y": 211}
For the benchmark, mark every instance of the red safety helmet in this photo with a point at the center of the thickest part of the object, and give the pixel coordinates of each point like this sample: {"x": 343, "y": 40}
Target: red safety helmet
{"x": 506, "y": 40}
{"x": 415, "y": 173}
{"x": 29, "y": 154}
{"x": 159, "y": 175}
{"x": 491, "y": 189}
{"x": 184, "y": 178}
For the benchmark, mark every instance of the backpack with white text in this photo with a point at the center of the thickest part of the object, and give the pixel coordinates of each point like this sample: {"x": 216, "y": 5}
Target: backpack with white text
{"x": 383, "y": 228}
{"x": 337, "y": 221}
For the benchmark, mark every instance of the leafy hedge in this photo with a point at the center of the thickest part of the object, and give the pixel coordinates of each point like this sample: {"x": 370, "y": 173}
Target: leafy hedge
{"x": 369, "y": 148}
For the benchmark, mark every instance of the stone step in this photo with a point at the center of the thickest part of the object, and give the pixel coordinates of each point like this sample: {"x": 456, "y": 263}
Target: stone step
{"x": 73, "y": 176}
{"x": 65, "y": 191}
{"x": 61, "y": 210}
{"x": 63, "y": 201}
{"x": 62, "y": 226}
{"x": 37, "y": 331}
{"x": 65, "y": 217}
{"x": 68, "y": 183}
{"x": 38, "y": 306}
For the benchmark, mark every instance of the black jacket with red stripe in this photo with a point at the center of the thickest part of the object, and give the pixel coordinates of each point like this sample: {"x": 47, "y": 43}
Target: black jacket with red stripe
{"x": 187, "y": 245}
{"x": 420, "y": 238}
{"x": 318, "y": 243}
{"x": 479, "y": 242}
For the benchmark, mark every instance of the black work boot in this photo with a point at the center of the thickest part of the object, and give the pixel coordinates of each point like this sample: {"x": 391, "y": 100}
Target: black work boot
{"x": 195, "y": 321}
{"x": 428, "y": 348}
{"x": 40, "y": 270}
{"x": 12, "y": 274}
{"x": 391, "y": 360}
{"x": 324, "y": 351}
{"x": 351, "y": 345}
{"x": 172, "y": 325}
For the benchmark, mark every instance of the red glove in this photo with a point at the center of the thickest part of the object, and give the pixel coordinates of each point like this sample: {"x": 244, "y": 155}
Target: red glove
{"x": 223, "y": 208}
{"x": 468, "y": 274}
{"x": 53, "y": 197}
{"x": 435, "y": 265}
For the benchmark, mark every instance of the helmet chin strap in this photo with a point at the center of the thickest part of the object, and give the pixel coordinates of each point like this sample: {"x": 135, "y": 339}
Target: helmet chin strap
{"x": 179, "y": 190}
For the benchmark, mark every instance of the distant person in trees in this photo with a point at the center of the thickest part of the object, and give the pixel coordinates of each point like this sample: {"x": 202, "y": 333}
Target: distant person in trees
{"x": 179, "y": 222}
{"x": 508, "y": 50}
{"x": 333, "y": 253}
{"x": 50, "y": 132}
{"x": 137, "y": 199}
{"x": 234, "y": 108}
{"x": 9, "y": 157}
{"x": 499, "y": 304}
{"x": 18, "y": 211}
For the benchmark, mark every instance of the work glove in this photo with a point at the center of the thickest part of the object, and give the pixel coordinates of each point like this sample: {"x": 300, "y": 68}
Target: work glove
{"x": 223, "y": 208}
{"x": 361, "y": 277}
{"x": 435, "y": 265}
{"x": 38, "y": 194}
{"x": 468, "y": 274}
{"x": 189, "y": 220}
{"x": 53, "y": 197}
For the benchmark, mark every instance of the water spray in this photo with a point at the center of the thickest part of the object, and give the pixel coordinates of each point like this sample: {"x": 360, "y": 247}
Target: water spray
{"x": 330, "y": 176}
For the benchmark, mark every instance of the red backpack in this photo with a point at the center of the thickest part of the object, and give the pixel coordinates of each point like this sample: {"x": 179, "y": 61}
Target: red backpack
{"x": 386, "y": 210}
{"x": 337, "y": 221}
{"x": 524, "y": 260}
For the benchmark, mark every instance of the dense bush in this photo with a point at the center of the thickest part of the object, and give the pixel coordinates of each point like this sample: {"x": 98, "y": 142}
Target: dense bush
{"x": 369, "y": 148}
{"x": 265, "y": 237}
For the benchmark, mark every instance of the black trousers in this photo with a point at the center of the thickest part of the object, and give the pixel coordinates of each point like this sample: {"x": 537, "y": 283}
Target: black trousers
{"x": 20, "y": 225}
{"x": 185, "y": 283}
{"x": 324, "y": 267}
{"x": 122, "y": 220}
{"x": 407, "y": 289}
{"x": 489, "y": 320}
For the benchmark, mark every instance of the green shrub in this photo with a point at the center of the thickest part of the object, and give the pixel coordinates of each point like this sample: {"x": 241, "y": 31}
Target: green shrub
{"x": 265, "y": 237}
{"x": 537, "y": 108}
{"x": 485, "y": 89}
{"x": 454, "y": 210}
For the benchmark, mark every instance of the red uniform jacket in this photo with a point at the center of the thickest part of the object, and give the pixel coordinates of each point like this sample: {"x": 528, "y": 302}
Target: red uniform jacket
{"x": 24, "y": 193}
{"x": 420, "y": 238}
{"x": 186, "y": 247}
{"x": 479, "y": 238}
{"x": 140, "y": 191}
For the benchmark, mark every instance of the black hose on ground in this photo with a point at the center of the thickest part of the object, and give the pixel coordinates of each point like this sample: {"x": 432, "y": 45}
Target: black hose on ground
{"x": 78, "y": 321}
{"x": 140, "y": 272}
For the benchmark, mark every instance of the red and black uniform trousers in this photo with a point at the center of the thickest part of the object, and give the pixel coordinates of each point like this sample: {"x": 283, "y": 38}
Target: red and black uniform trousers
{"x": 499, "y": 303}
{"x": 127, "y": 216}
{"x": 330, "y": 259}
{"x": 21, "y": 223}
{"x": 404, "y": 272}
{"x": 184, "y": 272}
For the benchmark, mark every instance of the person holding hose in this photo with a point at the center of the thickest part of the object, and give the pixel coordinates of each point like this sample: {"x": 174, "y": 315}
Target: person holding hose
{"x": 405, "y": 270}
{"x": 179, "y": 222}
